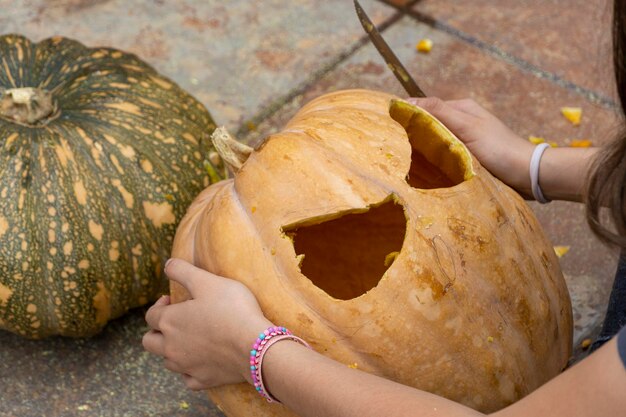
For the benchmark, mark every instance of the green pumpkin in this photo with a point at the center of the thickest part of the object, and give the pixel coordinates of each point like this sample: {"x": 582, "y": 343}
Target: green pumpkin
{"x": 99, "y": 158}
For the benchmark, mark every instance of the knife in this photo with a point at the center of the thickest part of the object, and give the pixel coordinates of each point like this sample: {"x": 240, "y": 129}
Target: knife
{"x": 394, "y": 64}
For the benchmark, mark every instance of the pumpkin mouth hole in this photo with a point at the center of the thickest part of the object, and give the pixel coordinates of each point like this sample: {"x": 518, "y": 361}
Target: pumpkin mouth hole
{"x": 348, "y": 255}
{"x": 438, "y": 158}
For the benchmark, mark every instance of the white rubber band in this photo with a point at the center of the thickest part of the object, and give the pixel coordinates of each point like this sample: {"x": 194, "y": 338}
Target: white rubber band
{"x": 535, "y": 159}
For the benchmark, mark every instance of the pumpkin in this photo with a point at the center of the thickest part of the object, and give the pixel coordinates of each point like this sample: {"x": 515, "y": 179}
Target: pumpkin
{"x": 369, "y": 230}
{"x": 100, "y": 156}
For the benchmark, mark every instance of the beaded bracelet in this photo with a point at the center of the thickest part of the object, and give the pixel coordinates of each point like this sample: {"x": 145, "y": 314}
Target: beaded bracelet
{"x": 259, "y": 348}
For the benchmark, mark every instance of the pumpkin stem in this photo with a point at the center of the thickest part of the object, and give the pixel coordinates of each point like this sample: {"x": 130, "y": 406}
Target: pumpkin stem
{"x": 232, "y": 152}
{"x": 27, "y": 106}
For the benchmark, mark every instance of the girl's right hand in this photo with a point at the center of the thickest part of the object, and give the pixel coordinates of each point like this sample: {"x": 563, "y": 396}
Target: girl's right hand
{"x": 505, "y": 154}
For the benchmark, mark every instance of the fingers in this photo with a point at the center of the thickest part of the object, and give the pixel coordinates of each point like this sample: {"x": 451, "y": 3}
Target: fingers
{"x": 450, "y": 115}
{"x": 430, "y": 104}
{"x": 468, "y": 106}
{"x": 173, "y": 366}
{"x": 154, "y": 342}
{"x": 193, "y": 383}
{"x": 186, "y": 275}
{"x": 162, "y": 301}
{"x": 153, "y": 315}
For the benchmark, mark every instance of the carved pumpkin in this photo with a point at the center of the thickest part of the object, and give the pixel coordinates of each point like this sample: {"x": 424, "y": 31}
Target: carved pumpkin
{"x": 368, "y": 229}
{"x": 100, "y": 156}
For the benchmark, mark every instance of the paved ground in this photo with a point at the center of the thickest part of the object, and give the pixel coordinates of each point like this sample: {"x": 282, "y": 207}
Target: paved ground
{"x": 253, "y": 64}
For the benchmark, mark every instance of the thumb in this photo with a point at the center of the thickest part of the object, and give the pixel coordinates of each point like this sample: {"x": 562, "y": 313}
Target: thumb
{"x": 186, "y": 274}
{"x": 453, "y": 118}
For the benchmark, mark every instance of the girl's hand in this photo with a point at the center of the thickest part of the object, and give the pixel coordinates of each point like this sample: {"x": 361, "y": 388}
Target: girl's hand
{"x": 502, "y": 152}
{"x": 207, "y": 339}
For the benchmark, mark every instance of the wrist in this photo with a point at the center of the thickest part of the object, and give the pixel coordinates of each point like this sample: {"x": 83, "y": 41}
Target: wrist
{"x": 563, "y": 171}
{"x": 520, "y": 170}
{"x": 266, "y": 340}
{"x": 248, "y": 335}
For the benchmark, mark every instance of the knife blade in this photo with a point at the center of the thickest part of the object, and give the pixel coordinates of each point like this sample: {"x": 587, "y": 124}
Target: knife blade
{"x": 394, "y": 64}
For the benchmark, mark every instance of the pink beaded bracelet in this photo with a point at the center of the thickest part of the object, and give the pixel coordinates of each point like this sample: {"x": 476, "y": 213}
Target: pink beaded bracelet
{"x": 259, "y": 348}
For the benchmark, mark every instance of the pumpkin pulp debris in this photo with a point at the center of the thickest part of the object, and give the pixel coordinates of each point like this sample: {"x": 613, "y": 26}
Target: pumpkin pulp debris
{"x": 475, "y": 281}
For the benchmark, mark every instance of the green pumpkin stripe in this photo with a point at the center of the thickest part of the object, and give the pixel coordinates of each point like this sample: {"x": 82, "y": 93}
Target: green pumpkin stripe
{"x": 91, "y": 194}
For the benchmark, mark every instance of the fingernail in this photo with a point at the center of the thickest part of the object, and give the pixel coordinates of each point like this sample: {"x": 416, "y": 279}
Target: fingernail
{"x": 167, "y": 263}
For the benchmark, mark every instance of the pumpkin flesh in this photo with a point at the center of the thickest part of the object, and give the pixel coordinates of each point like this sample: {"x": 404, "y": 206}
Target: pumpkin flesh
{"x": 473, "y": 306}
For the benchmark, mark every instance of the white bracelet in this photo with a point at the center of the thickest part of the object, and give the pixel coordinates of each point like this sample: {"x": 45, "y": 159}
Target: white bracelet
{"x": 535, "y": 159}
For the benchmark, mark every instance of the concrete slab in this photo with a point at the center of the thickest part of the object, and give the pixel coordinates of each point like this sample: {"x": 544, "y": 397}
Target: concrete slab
{"x": 569, "y": 40}
{"x": 246, "y": 60}
{"x": 236, "y": 57}
{"x": 109, "y": 375}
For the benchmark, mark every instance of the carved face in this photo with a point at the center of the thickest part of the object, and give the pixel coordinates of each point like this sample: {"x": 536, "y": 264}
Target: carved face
{"x": 368, "y": 229}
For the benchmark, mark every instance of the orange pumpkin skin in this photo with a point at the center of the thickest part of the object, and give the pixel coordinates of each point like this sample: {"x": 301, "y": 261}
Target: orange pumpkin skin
{"x": 474, "y": 307}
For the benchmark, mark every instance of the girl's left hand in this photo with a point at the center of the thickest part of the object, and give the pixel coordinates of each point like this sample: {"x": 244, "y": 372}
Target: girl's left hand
{"x": 207, "y": 339}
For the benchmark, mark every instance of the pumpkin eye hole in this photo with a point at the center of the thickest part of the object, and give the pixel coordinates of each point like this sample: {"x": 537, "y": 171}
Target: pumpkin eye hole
{"x": 425, "y": 175}
{"x": 347, "y": 256}
{"x": 438, "y": 159}
{"x": 433, "y": 165}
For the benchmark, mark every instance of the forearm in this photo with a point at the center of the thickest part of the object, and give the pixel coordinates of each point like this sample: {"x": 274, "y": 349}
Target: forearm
{"x": 562, "y": 173}
{"x": 313, "y": 385}
{"x": 593, "y": 387}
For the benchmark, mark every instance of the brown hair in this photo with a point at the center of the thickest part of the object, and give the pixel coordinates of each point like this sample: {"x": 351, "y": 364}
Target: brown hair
{"x": 607, "y": 182}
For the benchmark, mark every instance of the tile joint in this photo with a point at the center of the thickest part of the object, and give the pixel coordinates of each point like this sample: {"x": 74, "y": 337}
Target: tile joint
{"x": 521, "y": 64}
{"x": 268, "y": 111}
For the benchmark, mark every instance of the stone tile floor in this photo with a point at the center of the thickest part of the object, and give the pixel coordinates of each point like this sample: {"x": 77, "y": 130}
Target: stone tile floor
{"x": 253, "y": 64}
